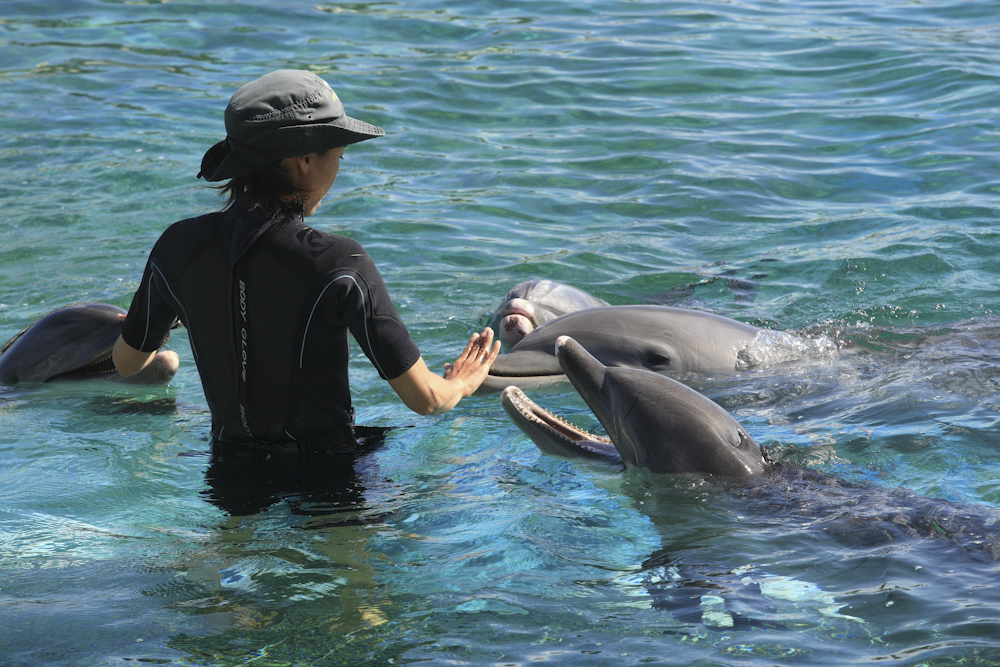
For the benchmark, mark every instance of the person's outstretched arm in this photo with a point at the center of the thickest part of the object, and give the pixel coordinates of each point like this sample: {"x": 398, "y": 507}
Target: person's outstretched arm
{"x": 427, "y": 393}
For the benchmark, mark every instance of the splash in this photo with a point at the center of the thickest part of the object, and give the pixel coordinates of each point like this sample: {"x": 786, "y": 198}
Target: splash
{"x": 770, "y": 347}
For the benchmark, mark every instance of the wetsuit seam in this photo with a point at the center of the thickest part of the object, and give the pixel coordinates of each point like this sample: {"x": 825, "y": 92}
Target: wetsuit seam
{"x": 149, "y": 310}
{"x": 364, "y": 310}
{"x": 180, "y": 305}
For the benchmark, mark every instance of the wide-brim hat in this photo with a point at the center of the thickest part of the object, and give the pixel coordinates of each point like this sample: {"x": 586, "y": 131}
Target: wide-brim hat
{"x": 283, "y": 114}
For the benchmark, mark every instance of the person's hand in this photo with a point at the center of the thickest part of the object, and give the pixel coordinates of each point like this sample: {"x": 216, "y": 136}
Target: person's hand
{"x": 473, "y": 365}
{"x": 427, "y": 393}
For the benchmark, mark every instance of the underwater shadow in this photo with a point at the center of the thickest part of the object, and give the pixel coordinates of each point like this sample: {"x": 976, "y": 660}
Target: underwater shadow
{"x": 326, "y": 487}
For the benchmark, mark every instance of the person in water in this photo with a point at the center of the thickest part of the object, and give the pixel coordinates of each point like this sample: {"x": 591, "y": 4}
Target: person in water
{"x": 268, "y": 301}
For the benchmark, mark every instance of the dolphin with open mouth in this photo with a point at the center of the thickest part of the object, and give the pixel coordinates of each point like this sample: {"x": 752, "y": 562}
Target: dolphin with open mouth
{"x": 75, "y": 343}
{"x": 656, "y": 338}
{"x": 653, "y": 422}
{"x": 660, "y": 425}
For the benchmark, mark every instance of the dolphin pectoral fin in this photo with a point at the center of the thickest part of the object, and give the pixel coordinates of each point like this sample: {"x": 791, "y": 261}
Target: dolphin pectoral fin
{"x": 552, "y": 434}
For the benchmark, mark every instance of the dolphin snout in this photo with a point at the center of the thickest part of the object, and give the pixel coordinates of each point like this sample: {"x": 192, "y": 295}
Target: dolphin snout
{"x": 584, "y": 371}
{"x": 518, "y": 306}
{"x": 513, "y": 328}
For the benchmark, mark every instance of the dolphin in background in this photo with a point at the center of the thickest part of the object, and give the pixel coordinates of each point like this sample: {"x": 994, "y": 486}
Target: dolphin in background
{"x": 531, "y": 304}
{"x": 656, "y": 338}
{"x": 75, "y": 343}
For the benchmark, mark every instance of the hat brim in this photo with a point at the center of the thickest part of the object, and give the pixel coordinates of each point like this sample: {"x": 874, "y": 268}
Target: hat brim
{"x": 229, "y": 159}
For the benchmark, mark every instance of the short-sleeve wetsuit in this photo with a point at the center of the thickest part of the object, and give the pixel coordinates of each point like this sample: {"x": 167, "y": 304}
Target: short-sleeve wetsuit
{"x": 268, "y": 303}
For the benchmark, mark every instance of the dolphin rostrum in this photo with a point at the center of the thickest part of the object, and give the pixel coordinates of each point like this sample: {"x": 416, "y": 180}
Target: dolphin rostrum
{"x": 656, "y": 338}
{"x": 74, "y": 343}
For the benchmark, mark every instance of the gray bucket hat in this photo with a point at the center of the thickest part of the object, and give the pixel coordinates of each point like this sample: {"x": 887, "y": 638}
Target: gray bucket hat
{"x": 283, "y": 114}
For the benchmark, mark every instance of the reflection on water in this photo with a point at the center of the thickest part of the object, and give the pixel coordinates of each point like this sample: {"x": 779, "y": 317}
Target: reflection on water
{"x": 134, "y": 406}
{"x": 320, "y": 486}
{"x": 323, "y": 493}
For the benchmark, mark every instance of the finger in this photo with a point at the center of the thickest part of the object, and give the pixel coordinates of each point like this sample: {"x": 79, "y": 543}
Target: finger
{"x": 487, "y": 337}
{"x": 483, "y": 343}
{"x": 469, "y": 347}
{"x": 489, "y": 351}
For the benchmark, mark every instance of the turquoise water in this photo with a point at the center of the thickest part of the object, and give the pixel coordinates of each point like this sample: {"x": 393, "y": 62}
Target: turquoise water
{"x": 827, "y": 168}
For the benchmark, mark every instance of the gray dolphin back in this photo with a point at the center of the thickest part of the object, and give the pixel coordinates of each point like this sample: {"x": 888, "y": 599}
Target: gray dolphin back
{"x": 64, "y": 340}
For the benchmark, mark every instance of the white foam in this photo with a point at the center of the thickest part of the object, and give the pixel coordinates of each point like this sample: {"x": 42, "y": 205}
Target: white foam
{"x": 776, "y": 347}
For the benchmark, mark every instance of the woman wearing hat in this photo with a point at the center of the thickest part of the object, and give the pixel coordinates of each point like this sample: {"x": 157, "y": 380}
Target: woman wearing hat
{"x": 268, "y": 301}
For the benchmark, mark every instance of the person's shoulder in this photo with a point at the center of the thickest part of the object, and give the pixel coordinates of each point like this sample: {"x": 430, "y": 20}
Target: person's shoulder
{"x": 192, "y": 224}
{"x": 348, "y": 245}
{"x": 188, "y": 233}
{"x": 316, "y": 255}
{"x": 318, "y": 241}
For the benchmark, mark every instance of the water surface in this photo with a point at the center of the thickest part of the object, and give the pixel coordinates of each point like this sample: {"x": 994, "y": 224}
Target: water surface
{"x": 824, "y": 168}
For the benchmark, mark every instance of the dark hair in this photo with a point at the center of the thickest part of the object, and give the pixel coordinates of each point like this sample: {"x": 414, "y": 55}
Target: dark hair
{"x": 268, "y": 187}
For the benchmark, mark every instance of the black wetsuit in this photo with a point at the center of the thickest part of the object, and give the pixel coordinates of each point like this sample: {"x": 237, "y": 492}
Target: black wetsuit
{"x": 268, "y": 303}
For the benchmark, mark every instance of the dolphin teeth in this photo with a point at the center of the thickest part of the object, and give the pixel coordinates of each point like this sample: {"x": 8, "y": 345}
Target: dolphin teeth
{"x": 97, "y": 362}
{"x": 535, "y": 413}
{"x": 100, "y": 366}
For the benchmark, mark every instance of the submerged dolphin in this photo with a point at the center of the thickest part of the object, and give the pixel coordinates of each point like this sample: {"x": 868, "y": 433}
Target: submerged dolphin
{"x": 74, "y": 343}
{"x": 653, "y": 422}
{"x": 656, "y": 338}
{"x": 530, "y": 304}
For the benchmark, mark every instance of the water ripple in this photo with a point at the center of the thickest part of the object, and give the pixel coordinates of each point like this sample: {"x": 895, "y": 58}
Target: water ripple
{"x": 824, "y": 169}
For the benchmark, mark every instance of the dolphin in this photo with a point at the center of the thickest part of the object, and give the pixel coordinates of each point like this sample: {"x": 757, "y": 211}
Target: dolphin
{"x": 74, "y": 343}
{"x": 656, "y": 338}
{"x": 660, "y": 425}
{"x": 653, "y": 421}
{"x": 530, "y": 304}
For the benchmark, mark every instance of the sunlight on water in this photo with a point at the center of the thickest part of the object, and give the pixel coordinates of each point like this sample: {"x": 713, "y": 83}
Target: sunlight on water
{"x": 823, "y": 170}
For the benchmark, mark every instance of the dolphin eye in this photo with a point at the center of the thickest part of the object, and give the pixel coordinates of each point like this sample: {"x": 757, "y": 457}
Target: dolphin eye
{"x": 655, "y": 359}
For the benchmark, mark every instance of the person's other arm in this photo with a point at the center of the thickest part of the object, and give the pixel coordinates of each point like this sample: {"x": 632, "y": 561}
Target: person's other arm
{"x": 128, "y": 360}
{"x": 427, "y": 393}
{"x": 158, "y": 367}
{"x": 155, "y": 315}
